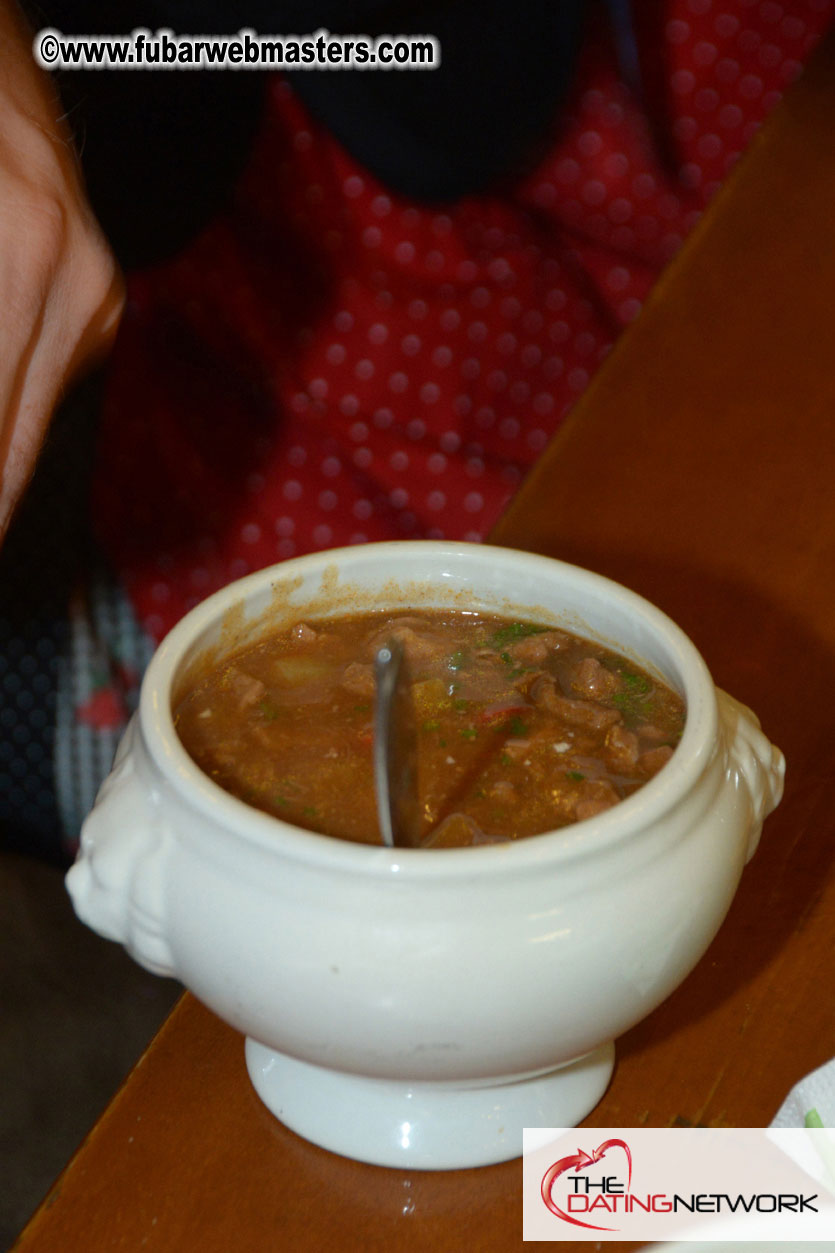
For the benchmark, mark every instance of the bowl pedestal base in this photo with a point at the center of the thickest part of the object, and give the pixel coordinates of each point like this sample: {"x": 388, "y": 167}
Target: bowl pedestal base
{"x": 424, "y": 1125}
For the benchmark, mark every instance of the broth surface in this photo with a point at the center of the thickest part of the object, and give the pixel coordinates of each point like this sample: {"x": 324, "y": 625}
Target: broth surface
{"x": 522, "y": 727}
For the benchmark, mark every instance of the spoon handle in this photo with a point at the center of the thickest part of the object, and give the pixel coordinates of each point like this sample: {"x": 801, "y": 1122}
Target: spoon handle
{"x": 395, "y": 750}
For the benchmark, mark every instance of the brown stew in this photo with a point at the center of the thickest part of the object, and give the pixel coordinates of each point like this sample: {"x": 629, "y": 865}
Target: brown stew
{"x": 522, "y": 727}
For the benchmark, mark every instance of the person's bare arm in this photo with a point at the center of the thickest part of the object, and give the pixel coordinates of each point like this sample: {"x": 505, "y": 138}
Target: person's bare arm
{"x": 61, "y": 292}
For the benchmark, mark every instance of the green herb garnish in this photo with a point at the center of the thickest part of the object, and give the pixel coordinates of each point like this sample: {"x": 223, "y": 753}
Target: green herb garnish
{"x": 268, "y": 709}
{"x": 635, "y": 705}
{"x": 637, "y": 684}
{"x": 513, "y": 631}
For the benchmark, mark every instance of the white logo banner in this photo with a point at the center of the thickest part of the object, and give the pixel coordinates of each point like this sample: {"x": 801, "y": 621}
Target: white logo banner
{"x": 652, "y": 1183}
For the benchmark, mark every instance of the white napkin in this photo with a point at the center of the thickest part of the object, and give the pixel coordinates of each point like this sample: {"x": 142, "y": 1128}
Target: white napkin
{"x": 813, "y": 1094}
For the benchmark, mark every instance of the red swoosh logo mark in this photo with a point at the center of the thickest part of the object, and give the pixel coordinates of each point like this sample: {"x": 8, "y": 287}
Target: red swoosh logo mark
{"x": 579, "y": 1161}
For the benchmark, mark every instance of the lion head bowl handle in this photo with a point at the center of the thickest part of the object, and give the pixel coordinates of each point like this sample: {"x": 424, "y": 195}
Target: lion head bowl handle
{"x": 755, "y": 768}
{"x": 117, "y": 885}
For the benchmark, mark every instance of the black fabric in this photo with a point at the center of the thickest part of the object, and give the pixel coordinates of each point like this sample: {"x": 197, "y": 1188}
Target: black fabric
{"x": 161, "y": 149}
{"x": 46, "y": 550}
{"x": 482, "y": 118}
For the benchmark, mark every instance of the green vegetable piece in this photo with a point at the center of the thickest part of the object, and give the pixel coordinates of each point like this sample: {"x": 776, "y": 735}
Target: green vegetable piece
{"x": 468, "y": 733}
{"x": 575, "y": 776}
{"x": 432, "y": 725}
{"x": 517, "y": 726}
{"x": 813, "y": 1119}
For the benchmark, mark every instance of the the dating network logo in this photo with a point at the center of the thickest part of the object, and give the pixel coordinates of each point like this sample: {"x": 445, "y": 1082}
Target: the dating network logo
{"x": 588, "y": 1188}
{"x": 678, "y": 1183}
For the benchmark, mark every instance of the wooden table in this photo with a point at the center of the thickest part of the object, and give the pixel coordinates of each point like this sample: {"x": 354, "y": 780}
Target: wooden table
{"x": 699, "y": 469}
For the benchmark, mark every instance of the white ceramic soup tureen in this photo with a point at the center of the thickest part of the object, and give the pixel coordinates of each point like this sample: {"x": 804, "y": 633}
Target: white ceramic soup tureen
{"x": 418, "y": 1008}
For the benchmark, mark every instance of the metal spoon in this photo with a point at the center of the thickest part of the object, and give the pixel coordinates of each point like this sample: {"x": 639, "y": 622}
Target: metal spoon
{"x": 395, "y": 750}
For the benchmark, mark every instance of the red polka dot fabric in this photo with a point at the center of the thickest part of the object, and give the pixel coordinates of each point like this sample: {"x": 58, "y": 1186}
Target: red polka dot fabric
{"x": 330, "y": 363}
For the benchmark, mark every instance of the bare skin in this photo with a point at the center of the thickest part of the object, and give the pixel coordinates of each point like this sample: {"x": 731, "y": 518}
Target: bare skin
{"x": 61, "y": 293}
